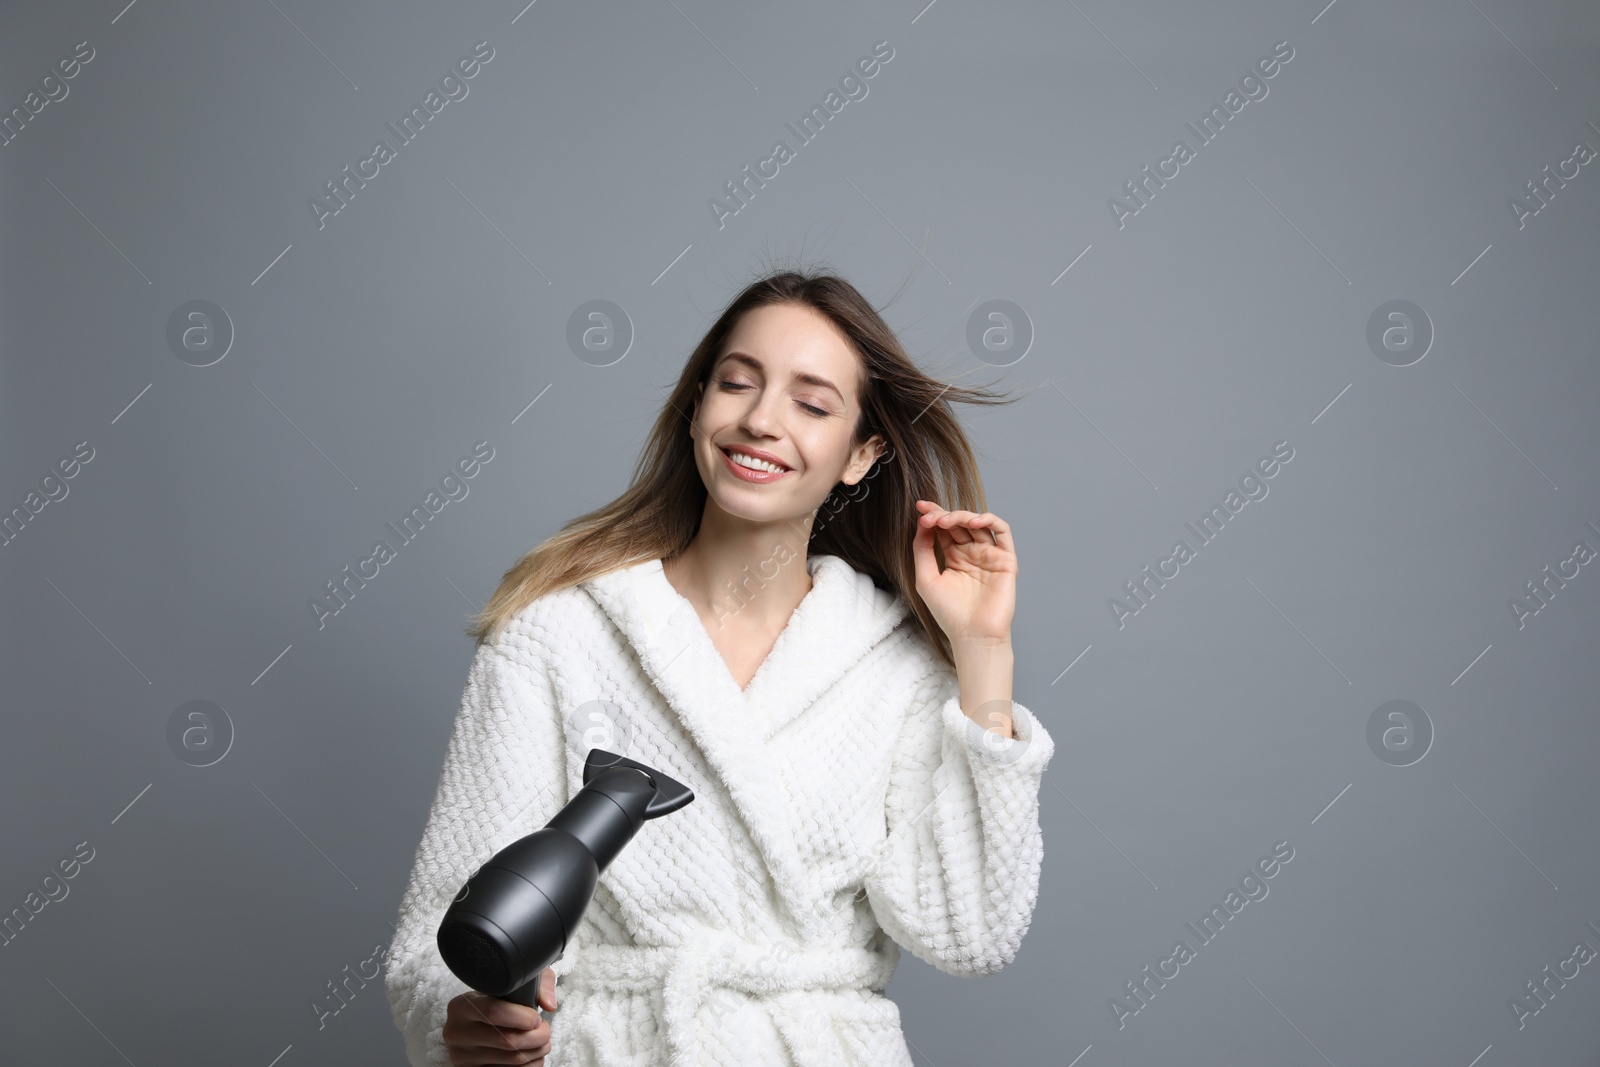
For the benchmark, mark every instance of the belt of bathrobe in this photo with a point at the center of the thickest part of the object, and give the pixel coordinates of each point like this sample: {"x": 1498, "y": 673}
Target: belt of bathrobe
{"x": 686, "y": 974}
{"x": 746, "y": 966}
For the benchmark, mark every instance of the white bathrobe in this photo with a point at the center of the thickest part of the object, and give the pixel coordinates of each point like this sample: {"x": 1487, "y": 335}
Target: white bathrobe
{"x": 844, "y": 806}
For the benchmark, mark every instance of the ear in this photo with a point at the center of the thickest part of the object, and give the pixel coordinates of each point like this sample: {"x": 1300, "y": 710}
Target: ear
{"x": 862, "y": 459}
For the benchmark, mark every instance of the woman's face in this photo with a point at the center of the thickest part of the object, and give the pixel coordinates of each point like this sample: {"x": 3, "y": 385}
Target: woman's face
{"x": 785, "y": 385}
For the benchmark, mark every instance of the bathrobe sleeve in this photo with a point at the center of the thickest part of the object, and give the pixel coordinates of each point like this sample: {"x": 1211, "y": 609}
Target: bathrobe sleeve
{"x": 504, "y": 776}
{"x": 956, "y": 876}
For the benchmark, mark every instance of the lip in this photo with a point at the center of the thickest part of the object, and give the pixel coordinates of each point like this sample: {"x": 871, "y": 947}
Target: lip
{"x": 745, "y": 473}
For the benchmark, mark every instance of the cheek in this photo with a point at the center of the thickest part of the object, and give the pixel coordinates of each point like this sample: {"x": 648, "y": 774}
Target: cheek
{"x": 822, "y": 459}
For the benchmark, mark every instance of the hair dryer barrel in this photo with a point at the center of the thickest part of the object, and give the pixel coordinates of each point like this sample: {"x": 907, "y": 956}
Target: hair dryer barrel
{"x": 514, "y": 916}
{"x": 607, "y": 812}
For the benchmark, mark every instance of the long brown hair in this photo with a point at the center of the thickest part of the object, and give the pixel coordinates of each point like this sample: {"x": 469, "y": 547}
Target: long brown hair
{"x": 870, "y": 525}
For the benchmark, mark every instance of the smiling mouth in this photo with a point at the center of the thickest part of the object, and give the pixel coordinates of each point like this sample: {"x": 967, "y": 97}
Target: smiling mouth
{"x": 756, "y": 472}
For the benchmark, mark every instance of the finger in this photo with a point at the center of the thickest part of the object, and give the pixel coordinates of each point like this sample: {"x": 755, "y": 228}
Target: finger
{"x": 547, "y": 990}
{"x": 500, "y": 1014}
{"x": 951, "y": 519}
{"x": 989, "y": 523}
{"x": 957, "y": 533}
{"x": 516, "y": 1059}
{"x": 487, "y": 1035}
{"x": 922, "y": 551}
{"x": 523, "y": 1051}
{"x": 998, "y": 528}
{"x": 958, "y": 524}
{"x": 514, "y": 1046}
{"x": 509, "y": 1015}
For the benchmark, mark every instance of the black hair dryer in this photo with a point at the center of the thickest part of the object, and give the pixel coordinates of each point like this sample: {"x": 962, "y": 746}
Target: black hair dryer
{"x": 513, "y": 918}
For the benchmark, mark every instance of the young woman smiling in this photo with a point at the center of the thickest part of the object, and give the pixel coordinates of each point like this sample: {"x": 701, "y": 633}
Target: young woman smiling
{"x": 863, "y": 779}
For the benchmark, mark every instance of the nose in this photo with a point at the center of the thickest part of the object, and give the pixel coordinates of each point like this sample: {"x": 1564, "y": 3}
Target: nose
{"x": 761, "y": 416}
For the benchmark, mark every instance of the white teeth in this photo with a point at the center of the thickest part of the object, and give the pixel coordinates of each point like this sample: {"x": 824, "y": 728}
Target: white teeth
{"x": 754, "y": 464}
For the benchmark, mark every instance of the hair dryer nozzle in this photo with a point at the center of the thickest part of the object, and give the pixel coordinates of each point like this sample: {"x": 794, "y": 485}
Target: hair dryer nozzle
{"x": 670, "y": 793}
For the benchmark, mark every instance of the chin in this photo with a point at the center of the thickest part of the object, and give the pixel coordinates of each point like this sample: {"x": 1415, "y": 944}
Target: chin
{"x": 772, "y": 512}
{"x": 742, "y": 506}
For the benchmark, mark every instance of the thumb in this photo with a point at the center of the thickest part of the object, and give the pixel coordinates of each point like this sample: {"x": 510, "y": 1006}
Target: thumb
{"x": 547, "y": 990}
{"x": 926, "y": 563}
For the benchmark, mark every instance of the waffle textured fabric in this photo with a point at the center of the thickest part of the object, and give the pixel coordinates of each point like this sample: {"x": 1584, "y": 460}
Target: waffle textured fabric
{"x": 845, "y": 808}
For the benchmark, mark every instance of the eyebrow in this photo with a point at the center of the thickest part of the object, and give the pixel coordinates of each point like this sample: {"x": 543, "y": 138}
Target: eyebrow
{"x": 810, "y": 379}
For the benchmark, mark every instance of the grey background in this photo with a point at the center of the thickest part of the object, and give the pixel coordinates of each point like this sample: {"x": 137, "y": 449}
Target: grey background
{"x": 1228, "y": 315}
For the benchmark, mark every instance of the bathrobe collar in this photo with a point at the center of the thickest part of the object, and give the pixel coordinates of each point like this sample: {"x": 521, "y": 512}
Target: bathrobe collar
{"x": 837, "y": 622}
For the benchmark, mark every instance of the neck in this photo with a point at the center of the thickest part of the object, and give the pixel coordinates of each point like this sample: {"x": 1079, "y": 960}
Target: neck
{"x": 735, "y": 567}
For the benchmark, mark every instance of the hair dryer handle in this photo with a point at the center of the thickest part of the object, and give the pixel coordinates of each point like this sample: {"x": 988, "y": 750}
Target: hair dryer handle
{"x": 528, "y": 994}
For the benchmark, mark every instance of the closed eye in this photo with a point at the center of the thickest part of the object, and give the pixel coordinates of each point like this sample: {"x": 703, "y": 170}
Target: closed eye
{"x": 815, "y": 411}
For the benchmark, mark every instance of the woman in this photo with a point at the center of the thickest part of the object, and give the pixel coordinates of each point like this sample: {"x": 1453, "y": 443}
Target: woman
{"x": 763, "y": 616}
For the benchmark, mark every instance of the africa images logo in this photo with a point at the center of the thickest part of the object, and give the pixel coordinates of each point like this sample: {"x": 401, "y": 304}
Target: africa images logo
{"x": 453, "y": 86}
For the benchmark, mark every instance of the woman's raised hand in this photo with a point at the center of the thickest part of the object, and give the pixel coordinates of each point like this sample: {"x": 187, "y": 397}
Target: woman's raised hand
{"x": 975, "y": 597}
{"x": 481, "y": 1030}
